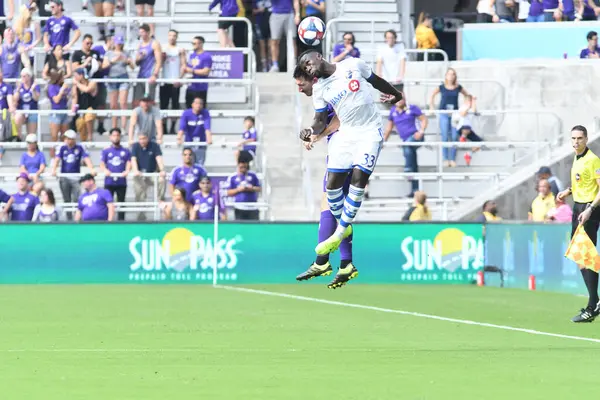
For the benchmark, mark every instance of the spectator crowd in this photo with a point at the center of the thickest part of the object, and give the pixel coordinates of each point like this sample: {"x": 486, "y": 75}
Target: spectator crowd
{"x": 78, "y": 82}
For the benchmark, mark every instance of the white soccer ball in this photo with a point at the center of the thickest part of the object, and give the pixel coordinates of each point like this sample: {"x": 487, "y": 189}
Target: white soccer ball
{"x": 311, "y": 31}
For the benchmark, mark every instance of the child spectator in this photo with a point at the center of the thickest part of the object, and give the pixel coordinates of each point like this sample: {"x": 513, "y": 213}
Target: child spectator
{"x": 116, "y": 60}
{"x": 194, "y": 126}
{"x": 248, "y": 138}
{"x": 26, "y": 95}
{"x": 205, "y": 200}
{"x": 33, "y": 161}
{"x": 346, "y": 49}
{"x": 464, "y": 118}
{"x": 46, "y": 210}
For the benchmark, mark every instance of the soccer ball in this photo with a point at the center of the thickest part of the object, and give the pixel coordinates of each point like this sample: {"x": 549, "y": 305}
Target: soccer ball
{"x": 311, "y": 31}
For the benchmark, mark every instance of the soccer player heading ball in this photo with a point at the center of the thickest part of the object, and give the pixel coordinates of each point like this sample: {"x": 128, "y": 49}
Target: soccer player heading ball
{"x": 355, "y": 148}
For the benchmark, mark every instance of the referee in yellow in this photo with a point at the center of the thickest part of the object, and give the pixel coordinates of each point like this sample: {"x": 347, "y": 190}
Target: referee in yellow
{"x": 585, "y": 184}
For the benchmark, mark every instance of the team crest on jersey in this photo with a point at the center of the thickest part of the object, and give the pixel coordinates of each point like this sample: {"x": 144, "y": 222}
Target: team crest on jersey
{"x": 354, "y": 85}
{"x": 349, "y": 74}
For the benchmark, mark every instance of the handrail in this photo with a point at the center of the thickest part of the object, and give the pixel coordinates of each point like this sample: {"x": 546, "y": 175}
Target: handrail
{"x": 434, "y": 176}
{"x": 184, "y": 81}
{"x": 12, "y": 175}
{"x": 126, "y": 113}
{"x": 103, "y": 145}
{"x": 467, "y": 145}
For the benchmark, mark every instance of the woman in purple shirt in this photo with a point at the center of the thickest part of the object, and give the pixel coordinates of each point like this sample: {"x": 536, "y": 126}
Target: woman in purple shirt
{"x": 33, "y": 161}
{"x": 346, "y": 49}
{"x": 59, "y": 94}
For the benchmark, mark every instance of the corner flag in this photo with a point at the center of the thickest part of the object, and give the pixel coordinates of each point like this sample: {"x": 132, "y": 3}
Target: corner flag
{"x": 582, "y": 251}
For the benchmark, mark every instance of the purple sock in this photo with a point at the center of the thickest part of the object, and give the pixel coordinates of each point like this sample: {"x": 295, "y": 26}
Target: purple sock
{"x": 346, "y": 249}
{"x": 327, "y": 226}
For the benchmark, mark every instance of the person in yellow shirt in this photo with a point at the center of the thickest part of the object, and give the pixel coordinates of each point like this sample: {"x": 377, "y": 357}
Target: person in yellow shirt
{"x": 543, "y": 203}
{"x": 419, "y": 211}
{"x": 426, "y": 37}
{"x": 585, "y": 185}
{"x": 489, "y": 212}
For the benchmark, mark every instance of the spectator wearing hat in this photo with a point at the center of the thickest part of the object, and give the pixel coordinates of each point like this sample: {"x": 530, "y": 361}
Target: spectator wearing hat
{"x": 146, "y": 157}
{"x": 116, "y": 164}
{"x": 58, "y": 28}
{"x": 205, "y": 200}
{"x": 556, "y": 185}
{"x": 70, "y": 155}
{"x": 59, "y": 94}
{"x": 84, "y": 99}
{"x": 244, "y": 186}
{"x": 23, "y": 201}
{"x": 26, "y": 96}
{"x": 146, "y": 118}
{"x": 33, "y": 161}
{"x": 116, "y": 61}
{"x": 149, "y": 59}
{"x": 187, "y": 175}
{"x": 194, "y": 126}
{"x": 95, "y": 204}
{"x": 199, "y": 65}
{"x": 47, "y": 210}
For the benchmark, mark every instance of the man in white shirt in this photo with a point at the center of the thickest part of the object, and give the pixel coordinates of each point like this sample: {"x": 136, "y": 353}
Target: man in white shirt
{"x": 391, "y": 59}
{"x": 355, "y": 148}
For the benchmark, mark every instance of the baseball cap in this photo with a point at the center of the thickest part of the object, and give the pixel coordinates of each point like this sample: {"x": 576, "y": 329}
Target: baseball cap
{"x": 70, "y": 134}
{"x": 147, "y": 97}
{"x": 86, "y": 177}
{"x": 119, "y": 39}
{"x": 24, "y": 176}
{"x": 26, "y": 71}
{"x": 31, "y": 138}
{"x": 544, "y": 170}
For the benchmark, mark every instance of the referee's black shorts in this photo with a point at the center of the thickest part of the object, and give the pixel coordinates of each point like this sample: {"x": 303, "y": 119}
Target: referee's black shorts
{"x": 592, "y": 224}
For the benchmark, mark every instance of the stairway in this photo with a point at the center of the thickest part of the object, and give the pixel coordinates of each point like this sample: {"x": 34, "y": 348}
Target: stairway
{"x": 281, "y": 146}
{"x": 187, "y": 30}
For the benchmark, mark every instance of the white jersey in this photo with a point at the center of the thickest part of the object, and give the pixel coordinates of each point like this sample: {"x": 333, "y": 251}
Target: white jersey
{"x": 349, "y": 93}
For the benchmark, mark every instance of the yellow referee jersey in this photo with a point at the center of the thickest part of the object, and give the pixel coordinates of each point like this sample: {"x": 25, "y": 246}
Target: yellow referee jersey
{"x": 585, "y": 171}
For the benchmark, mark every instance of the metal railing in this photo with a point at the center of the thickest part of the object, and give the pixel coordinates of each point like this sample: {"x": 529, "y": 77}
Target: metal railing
{"x": 385, "y": 207}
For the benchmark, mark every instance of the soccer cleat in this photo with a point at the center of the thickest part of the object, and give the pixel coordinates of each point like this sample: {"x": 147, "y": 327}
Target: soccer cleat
{"x": 332, "y": 243}
{"x": 315, "y": 270}
{"x": 586, "y": 315}
{"x": 343, "y": 276}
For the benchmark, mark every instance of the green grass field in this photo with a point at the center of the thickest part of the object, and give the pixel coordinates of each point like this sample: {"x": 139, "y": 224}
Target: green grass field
{"x": 199, "y": 342}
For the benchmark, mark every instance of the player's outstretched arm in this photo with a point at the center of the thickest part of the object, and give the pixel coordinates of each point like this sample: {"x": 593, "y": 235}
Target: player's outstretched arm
{"x": 318, "y": 126}
{"x": 385, "y": 87}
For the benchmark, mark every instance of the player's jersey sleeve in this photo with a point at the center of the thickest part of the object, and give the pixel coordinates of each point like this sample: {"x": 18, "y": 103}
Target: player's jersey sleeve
{"x": 318, "y": 100}
{"x": 364, "y": 68}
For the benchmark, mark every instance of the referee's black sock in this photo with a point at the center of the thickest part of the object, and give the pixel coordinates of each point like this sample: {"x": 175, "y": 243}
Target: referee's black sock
{"x": 591, "y": 282}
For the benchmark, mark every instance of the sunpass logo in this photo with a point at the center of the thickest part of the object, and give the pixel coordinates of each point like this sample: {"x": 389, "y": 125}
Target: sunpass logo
{"x": 182, "y": 256}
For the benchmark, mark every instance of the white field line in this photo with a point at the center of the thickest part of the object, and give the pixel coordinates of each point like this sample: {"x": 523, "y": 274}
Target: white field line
{"x": 410, "y": 313}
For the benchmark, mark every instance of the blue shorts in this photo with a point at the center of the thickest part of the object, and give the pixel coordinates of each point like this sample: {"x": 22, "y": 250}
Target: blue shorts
{"x": 346, "y": 183}
{"x": 31, "y": 118}
{"x": 111, "y": 87}
{"x": 59, "y": 119}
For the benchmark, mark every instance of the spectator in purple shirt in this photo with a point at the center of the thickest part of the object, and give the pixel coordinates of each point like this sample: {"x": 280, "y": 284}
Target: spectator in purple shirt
{"x": 58, "y": 30}
{"x": 536, "y": 11}
{"x": 187, "y": 176}
{"x": 149, "y": 58}
{"x": 248, "y": 139}
{"x": 205, "y": 200}
{"x": 194, "y": 126}
{"x": 59, "y": 94}
{"x": 245, "y": 186}
{"x": 592, "y": 50}
{"x": 96, "y": 204}
{"x": 551, "y": 10}
{"x": 70, "y": 156}
{"x": 587, "y": 10}
{"x": 410, "y": 123}
{"x": 567, "y": 10}
{"x": 346, "y": 49}
{"x": 116, "y": 164}
{"x": 199, "y": 65}
{"x": 23, "y": 201}
{"x": 33, "y": 161}
{"x": 229, "y": 8}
